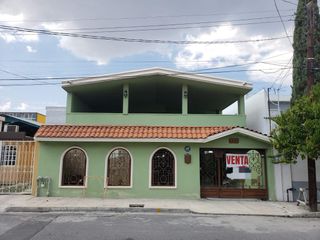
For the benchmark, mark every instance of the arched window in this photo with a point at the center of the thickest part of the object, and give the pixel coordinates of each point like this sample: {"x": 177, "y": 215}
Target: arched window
{"x": 119, "y": 168}
{"x": 163, "y": 168}
{"x": 74, "y": 168}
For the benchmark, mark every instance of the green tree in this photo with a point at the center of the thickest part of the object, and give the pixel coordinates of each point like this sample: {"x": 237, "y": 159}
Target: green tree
{"x": 299, "y": 75}
{"x": 298, "y": 131}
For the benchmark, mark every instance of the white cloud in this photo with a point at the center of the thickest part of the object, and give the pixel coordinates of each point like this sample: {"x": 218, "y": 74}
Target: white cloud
{"x": 7, "y": 37}
{"x": 199, "y": 56}
{"x": 19, "y": 37}
{"x": 10, "y": 36}
{"x": 22, "y": 106}
{"x": 105, "y": 15}
{"x": 11, "y": 18}
{"x": 5, "y": 106}
{"x": 31, "y": 49}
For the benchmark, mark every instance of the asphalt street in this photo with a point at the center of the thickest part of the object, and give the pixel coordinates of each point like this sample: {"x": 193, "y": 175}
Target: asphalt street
{"x": 129, "y": 226}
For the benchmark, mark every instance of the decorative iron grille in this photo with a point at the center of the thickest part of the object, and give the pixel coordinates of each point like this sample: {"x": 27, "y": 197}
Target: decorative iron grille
{"x": 163, "y": 168}
{"x": 8, "y": 155}
{"x": 74, "y": 168}
{"x": 208, "y": 166}
{"x": 119, "y": 168}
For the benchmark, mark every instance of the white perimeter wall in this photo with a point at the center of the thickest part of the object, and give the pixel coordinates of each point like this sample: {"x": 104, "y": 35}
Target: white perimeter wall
{"x": 257, "y": 112}
{"x": 257, "y": 119}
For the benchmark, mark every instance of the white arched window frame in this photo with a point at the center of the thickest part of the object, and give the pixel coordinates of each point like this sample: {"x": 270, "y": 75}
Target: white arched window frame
{"x": 175, "y": 169}
{"x": 61, "y": 168}
{"x": 107, "y": 164}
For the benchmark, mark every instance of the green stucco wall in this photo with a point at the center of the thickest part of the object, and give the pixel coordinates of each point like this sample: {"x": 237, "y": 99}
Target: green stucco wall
{"x": 157, "y": 119}
{"x": 188, "y": 175}
{"x": 51, "y": 153}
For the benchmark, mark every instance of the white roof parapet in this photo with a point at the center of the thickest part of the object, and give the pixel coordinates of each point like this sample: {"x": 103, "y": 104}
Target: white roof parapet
{"x": 158, "y": 71}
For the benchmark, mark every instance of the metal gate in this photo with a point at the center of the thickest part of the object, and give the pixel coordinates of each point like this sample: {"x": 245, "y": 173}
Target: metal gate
{"x": 16, "y": 166}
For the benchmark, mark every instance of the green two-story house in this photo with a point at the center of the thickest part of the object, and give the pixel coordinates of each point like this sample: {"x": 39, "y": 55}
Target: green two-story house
{"x": 154, "y": 133}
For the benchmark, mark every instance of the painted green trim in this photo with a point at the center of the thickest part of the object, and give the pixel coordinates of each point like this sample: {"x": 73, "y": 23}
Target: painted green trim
{"x": 134, "y": 119}
{"x": 125, "y": 96}
{"x": 184, "y": 99}
{"x": 241, "y": 105}
{"x": 69, "y": 102}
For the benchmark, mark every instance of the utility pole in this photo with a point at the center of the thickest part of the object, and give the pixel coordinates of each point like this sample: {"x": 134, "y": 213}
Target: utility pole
{"x": 312, "y": 181}
{"x": 269, "y": 111}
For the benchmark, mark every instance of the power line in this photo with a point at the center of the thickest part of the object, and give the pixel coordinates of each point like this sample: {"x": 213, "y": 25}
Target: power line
{"x": 135, "y": 61}
{"x": 150, "y": 17}
{"x": 206, "y": 69}
{"x": 172, "y": 24}
{"x": 286, "y": 1}
{"x": 164, "y": 28}
{"x": 284, "y": 26}
{"x": 29, "y": 85}
{"x": 132, "y": 40}
{"x": 280, "y": 74}
{"x": 203, "y": 71}
{"x": 186, "y": 27}
{"x": 15, "y": 74}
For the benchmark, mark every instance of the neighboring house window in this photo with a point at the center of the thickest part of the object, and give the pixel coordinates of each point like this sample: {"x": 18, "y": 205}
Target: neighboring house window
{"x": 74, "y": 168}
{"x": 119, "y": 168}
{"x": 8, "y": 155}
{"x": 163, "y": 168}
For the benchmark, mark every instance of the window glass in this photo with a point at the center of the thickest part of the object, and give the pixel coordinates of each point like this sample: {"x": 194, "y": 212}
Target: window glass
{"x": 163, "y": 168}
{"x": 243, "y": 170}
{"x": 74, "y": 168}
{"x": 8, "y": 155}
{"x": 119, "y": 168}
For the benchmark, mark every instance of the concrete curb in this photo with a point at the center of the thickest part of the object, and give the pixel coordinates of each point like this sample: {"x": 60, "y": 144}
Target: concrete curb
{"x": 148, "y": 210}
{"x": 95, "y": 209}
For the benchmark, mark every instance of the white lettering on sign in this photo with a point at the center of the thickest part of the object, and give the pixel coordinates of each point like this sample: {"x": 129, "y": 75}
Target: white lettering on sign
{"x": 237, "y": 160}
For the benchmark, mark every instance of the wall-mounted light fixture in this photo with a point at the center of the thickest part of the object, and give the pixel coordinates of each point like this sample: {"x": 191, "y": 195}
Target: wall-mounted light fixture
{"x": 185, "y": 93}
{"x": 125, "y": 93}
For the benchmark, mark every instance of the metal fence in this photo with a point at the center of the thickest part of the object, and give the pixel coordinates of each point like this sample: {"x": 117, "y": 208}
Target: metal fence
{"x": 16, "y": 166}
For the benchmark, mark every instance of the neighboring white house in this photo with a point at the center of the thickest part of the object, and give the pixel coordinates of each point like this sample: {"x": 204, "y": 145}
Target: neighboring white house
{"x": 56, "y": 115}
{"x": 258, "y": 118}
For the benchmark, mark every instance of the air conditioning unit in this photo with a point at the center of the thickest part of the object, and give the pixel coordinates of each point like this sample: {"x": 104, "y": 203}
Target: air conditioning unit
{"x": 11, "y": 128}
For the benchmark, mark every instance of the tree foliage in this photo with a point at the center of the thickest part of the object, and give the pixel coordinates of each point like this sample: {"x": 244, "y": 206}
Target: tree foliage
{"x": 299, "y": 61}
{"x": 298, "y": 129}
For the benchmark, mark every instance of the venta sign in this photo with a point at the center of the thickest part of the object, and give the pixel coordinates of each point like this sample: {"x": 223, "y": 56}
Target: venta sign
{"x": 237, "y": 160}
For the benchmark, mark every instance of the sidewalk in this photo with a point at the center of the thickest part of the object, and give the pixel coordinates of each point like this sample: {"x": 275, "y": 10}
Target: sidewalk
{"x": 27, "y": 203}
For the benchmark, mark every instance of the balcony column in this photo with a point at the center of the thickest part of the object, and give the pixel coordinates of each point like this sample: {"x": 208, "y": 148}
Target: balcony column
{"x": 125, "y": 99}
{"x": 241, "y": 108}
{"x": 69, "y": 103}
{"x": 184, "y": 99}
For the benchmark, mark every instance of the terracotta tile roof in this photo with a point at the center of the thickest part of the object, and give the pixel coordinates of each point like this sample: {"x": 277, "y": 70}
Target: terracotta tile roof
{"x": 87, "y": 131}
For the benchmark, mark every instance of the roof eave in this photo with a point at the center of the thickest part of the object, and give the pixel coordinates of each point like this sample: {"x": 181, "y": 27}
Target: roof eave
{"x": 157, "y": 71}
{"x": 214, "y": 137}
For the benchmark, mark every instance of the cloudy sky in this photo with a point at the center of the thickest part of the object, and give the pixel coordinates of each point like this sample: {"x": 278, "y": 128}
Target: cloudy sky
{"x": 30, "y": 58}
